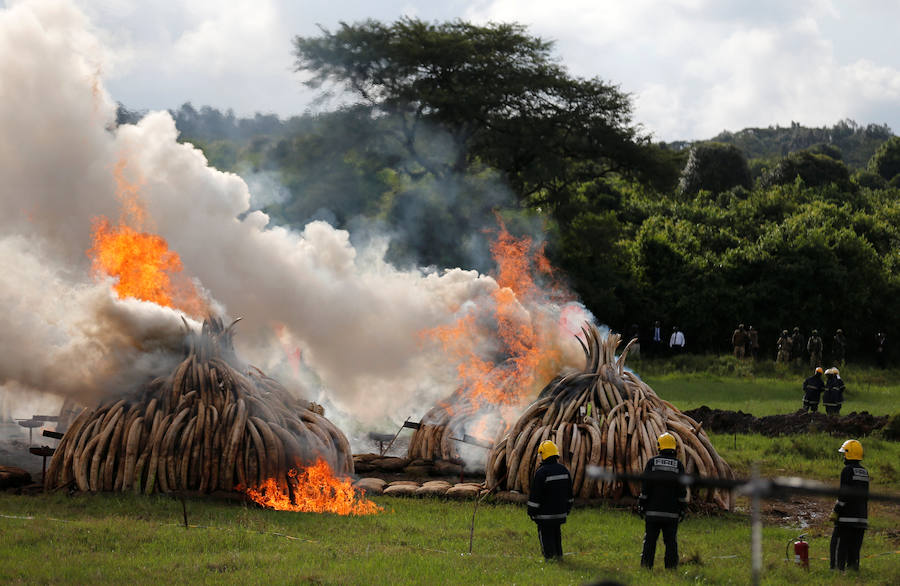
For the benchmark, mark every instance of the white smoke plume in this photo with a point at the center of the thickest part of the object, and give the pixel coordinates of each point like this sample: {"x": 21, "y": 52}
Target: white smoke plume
{"x": 356, "y": 320}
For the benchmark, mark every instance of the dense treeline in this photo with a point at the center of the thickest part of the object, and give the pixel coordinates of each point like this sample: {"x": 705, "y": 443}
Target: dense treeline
{"x": 777, "y": 227}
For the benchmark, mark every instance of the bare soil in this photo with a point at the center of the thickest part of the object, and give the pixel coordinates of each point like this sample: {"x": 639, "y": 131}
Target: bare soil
{"x": 722, "y": 421}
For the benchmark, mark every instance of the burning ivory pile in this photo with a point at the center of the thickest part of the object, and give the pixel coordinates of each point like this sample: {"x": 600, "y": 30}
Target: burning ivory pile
{"x": 464, "y": 418}
{"x": 205, "y": 426}
{"x": 604, "y": 416}
{"x": 440, "y": 426}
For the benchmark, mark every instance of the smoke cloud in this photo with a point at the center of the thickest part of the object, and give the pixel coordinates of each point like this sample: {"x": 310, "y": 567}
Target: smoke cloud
{"x": 356, "y": 319}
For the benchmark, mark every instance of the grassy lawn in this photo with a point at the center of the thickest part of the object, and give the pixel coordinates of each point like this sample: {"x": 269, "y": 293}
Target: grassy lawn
{"x": 103, "y": 539}
{"x": 125, "y": 539}
{"x": 813, "y": 456}
{"x": 722, "y": 382}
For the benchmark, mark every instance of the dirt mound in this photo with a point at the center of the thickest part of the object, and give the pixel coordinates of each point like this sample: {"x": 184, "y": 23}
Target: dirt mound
{"x": 853, "y": 424}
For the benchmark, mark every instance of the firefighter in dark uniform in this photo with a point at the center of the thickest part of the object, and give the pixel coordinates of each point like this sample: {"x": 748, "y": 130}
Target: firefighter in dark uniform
{"x": 550, "y": 499}
{"x": 833, "y": 397}
{"x": 812, "y": 391}
{"x": 662, "y": 502}
{"x": 851, "y": 511}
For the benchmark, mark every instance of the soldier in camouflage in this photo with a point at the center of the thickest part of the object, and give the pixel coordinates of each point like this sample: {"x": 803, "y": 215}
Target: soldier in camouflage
{"x": 784, "y": 348}
{"x": 814, "y": 347}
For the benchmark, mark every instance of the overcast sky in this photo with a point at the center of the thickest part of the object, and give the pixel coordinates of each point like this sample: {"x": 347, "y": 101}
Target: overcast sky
{"x": 693, "y": 67}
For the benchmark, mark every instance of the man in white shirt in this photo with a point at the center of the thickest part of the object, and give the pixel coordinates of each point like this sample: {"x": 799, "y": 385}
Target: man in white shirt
{"x": 676, "y": 341}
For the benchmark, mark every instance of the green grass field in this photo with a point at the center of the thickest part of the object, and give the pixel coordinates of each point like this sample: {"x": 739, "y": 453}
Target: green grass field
{"x": 761, "y": 389}
{"x": 105, "y": 539}
{"x": 102, "y": 539}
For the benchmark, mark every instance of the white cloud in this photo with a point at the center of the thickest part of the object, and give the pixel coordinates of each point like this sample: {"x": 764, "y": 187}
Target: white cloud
{"x": 692, "y": 66}
{"x": 234, "y": 38}
{"x": 697, "y": 67}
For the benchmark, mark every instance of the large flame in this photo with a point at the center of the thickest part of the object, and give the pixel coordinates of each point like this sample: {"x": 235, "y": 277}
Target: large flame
{"x": 141, "y": 262}
{"x": 526, "y": 351}
{"x": 315, "y": 490}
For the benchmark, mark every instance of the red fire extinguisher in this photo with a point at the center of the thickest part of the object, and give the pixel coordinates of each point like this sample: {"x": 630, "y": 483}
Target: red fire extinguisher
{"x": 801, "y": 552}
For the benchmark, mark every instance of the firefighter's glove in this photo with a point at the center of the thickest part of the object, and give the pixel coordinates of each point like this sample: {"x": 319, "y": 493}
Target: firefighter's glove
{"x": 681, "y": 514}
{"x": 640, "y": 510}
{"x": 833, "y": 517}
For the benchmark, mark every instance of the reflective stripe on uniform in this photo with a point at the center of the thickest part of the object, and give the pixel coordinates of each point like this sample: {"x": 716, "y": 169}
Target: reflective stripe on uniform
{"x": 661, "y": 514}
{"x": 556, "y": 477}
{"x": 853, "y": 520}
{"x": 557, "y": 516}
{"x": 533, "y": 504}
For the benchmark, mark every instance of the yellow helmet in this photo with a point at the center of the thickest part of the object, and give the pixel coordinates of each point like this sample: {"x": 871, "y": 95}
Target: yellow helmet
{"x": 547, "y": 449}
{"x": 666, "y": 442}
{"x": 819, "y": 370}
{"x": 852, "y": 450}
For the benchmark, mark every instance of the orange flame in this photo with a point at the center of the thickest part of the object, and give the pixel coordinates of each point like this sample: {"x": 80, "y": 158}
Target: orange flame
{"x": 315, "y": 490}
{"x": 529, "y": 356}
{"x": 142, "y": 263}
{"x": 292, "y": 353}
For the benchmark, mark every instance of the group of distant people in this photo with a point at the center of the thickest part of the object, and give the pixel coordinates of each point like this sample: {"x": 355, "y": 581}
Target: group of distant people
{"x": 662, "y": 343}
{"x": 790, "y": 348}
{"x": 794, "y": 348}
{"x": 831, "y": 391}
{"x": 745, "y": 342}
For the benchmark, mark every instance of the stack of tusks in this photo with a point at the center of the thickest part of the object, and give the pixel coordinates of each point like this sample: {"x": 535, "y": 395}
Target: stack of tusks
{"x": 431, "y": 440}
{"x": 453, "y": 418}
{"x": 204, "y": 427}
{"x": 620, "y": 434}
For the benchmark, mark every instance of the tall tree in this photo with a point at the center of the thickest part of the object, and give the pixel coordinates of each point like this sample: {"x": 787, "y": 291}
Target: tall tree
{"x": 715, "y": 167}
{"x": 886, "y": 160}
{"x": 495, "y": 93}
{"x": 814, "y": 169}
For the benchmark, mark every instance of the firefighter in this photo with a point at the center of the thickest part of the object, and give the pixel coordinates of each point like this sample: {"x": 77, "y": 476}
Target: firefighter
{"x": 812, "y": 390}
{"x": 833, "y": 397}
{"x": 662, "y": 502}
{"x": 851, "y": 511}
{"x": 550, "y": 499}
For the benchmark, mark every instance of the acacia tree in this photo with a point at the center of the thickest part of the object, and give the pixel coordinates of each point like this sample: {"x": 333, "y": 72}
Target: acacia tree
{"x": 495, "y": 94}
